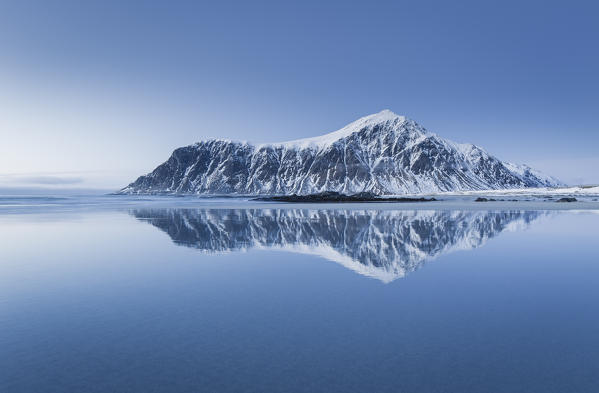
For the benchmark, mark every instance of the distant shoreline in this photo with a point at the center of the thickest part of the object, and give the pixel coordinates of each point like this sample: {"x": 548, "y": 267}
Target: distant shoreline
{"x": 335, "y": 197}
{"x": 39, "y": 205}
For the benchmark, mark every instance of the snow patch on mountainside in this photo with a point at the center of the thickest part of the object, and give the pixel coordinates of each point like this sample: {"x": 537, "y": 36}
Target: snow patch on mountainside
{"x": 525, "y": 171}
{"x": 328, "y": 139}
{"x": 533, "y": 191}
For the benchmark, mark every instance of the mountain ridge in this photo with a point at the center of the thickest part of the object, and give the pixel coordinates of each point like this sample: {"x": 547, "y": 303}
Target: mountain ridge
{"x": 382, "y": 153}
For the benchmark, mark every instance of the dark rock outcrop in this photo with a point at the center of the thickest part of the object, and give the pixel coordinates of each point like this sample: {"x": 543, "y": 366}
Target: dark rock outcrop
{"x": 332, "y": 197}
{"x": 567, "y": 199}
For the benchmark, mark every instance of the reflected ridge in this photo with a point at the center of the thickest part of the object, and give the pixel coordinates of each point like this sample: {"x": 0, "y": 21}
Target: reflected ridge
{"x": 382, "y": 244}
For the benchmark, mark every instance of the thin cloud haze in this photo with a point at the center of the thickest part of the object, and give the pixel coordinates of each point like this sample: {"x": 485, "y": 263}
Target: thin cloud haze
{"x": 47, "y": 180}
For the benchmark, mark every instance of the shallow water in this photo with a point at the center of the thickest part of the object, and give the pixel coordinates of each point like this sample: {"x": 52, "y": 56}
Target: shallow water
{"x": 136, "y": 297}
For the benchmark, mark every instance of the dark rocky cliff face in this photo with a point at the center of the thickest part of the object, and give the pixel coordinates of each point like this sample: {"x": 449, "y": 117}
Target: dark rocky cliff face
{"x": 382, "y": 153}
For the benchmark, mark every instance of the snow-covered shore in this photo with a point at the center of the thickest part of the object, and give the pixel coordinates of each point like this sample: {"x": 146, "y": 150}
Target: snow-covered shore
{"x": 587, "y": 191}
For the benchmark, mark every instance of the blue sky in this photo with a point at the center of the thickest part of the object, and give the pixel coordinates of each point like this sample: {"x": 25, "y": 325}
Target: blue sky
{"x": 95, "y": 93}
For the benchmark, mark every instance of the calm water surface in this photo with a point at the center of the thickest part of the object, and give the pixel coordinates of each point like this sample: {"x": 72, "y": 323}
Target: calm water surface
{"x": 144, "y": 299}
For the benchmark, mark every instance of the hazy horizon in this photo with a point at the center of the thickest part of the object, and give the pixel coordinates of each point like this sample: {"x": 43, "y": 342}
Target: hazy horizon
{"x": 95, "y": 95}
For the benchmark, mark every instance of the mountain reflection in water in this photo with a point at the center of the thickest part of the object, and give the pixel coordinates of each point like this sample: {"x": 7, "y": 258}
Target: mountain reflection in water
{"x": 382, "y": 244}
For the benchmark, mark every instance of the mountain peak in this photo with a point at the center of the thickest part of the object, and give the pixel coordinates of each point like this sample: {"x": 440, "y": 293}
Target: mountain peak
{"x": 380, "y": 117}
{"x": 324, "y": 140}
{"x": 384, "y": 115}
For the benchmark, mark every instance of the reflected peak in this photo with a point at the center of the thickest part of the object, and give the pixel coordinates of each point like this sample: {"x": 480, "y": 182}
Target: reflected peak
{"x": 382, "y": 244}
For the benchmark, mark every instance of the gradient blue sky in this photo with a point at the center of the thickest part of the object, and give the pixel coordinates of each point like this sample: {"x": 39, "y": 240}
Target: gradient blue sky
{"x": 95, "y": 93}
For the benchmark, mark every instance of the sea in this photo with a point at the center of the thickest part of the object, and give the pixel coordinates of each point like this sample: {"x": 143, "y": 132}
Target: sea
{"x": 106, "y": 293}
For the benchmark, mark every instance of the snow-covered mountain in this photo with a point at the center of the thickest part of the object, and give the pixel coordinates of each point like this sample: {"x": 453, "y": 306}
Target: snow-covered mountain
{"x": 382, "y": 153}
{"x": 382, "y": 244}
